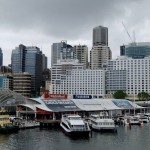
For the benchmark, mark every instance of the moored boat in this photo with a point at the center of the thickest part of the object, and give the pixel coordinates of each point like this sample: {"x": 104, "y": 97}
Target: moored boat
{"x": 102, "y": 122}
{"x": 74, "y": 125}
{"x": 5, "y": 125}
{"x": 144, "y": 119}
{"x": 133, "y": 120}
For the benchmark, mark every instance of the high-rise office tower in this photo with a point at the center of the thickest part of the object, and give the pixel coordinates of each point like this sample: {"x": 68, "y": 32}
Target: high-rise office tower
{"x": 100, "y": 36}
{"x": 100, "y": 52}
{"x": 61, "y": 50}
{"x": 1, "y": 57}
{"x": 29, "y": 59}
{"x": 99, "y": 55}
{"x": 81, "y": 53}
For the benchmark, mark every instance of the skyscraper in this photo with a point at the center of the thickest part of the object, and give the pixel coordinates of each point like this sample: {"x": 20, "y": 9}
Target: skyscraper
{"x": 99, "y": 55}
{"x": 100, "y": 52}
{"x": 100, "y": 36}
{"x": 61, "y": 50}
{"x": 1, "y": 57}
{"x": 29, "y": 59}
{"x": 81, "y": 53}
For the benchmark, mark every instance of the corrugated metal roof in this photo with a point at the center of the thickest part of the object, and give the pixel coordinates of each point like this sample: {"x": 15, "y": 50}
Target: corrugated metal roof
{"x": 95, "y": 104}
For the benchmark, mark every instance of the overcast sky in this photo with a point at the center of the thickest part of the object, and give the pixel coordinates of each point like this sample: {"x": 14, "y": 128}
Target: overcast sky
{"x": 43, "y": 22}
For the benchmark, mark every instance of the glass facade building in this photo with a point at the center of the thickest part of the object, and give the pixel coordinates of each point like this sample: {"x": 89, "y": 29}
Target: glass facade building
{"x": 1, "y": 57}
{"x": 61, "y": 50}
{"x": 135, "y": 50}
{"x": 29, "y": 59}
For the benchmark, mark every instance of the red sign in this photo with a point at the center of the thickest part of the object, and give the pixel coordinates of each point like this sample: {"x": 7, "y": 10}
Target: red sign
{"x": 55, "y": 96}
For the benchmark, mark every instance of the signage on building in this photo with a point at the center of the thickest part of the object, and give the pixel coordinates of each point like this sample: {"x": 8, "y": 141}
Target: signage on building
{"x": 82, "y": 96}
{"x": 61, "y": 105}
{"x": 55, "y": 96}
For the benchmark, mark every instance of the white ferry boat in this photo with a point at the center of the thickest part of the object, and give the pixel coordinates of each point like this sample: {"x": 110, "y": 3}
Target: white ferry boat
{"x": 74, "y": 125}
{"x": 145, "y": 119}
{"x": 102, "y": 122}
{"x": 147, "y": 115}
{"x": 132, "y": 120}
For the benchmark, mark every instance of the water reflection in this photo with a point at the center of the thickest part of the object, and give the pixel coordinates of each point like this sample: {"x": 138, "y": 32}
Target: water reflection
{"x": 137, "y": 138}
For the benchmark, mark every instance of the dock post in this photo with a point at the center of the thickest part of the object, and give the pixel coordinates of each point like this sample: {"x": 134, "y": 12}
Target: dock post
{"x": 91, "y": 133}
{"x": 54, "y": 117}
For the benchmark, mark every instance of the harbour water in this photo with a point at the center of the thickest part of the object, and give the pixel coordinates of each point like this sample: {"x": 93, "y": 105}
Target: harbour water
{"x": 134, "y": 138}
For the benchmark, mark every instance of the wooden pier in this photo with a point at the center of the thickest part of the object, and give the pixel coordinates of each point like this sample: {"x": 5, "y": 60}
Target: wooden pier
{"x": 49, "y": 123}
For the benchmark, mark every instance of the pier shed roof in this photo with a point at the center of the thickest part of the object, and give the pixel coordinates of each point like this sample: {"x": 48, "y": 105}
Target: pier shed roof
{"x": 95, "y": 104}
{"x": 80, "y": 104}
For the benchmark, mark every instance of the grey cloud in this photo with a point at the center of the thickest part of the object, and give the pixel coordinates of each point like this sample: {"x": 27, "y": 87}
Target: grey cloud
{"x": 62, "y": 18}
{"x": 71, "y": 20}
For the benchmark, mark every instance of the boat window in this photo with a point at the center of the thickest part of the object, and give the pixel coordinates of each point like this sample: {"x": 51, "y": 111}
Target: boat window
{"x": 65, "y": 125}
{"x": 78, "y": 126}
{"x": 74, "y": 118}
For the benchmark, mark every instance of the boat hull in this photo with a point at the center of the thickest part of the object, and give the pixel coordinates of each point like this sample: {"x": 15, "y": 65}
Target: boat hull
{"x": 75, "y": 133}
{"x": 9, "y": 129}
{"x": 104, "y": 129}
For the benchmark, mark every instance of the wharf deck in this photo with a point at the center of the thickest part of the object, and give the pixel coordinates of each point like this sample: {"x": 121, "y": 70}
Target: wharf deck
{"x": 48, "y": 123}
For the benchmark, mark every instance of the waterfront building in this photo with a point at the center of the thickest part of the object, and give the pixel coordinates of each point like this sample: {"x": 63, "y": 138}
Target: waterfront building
{"x": 61, "y": 50}
{"x": 100, "y": 36}
{"x": 128, "y": 74}
{"x": 135, "y": 50}
{"x": 29, "y": 59}
{"x": 99, "y": 55}
{"x": 69, "y": 77}
{"x": 81, "y": 53}
{"x": 22, "y": 83}
{"x": 6, "y": 82}
{"x": 60, "y": 69}
{"x": 1, "y": 57}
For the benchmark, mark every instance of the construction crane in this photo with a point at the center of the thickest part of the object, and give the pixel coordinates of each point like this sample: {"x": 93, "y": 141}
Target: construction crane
{"x": 127, "y": 32}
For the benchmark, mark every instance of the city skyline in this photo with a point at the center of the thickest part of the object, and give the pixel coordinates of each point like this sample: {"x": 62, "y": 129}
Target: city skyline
{"x": 48, "y": 22}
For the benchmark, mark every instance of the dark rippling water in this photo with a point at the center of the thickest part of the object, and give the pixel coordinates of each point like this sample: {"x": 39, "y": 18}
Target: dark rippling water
{"x": 136, "y": 138}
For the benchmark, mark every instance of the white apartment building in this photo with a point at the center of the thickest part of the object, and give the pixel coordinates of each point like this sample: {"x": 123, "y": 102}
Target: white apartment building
{"x": 70, "y": 78}
{"x": 99, "y": 55}
{"x": 133, "y": 76}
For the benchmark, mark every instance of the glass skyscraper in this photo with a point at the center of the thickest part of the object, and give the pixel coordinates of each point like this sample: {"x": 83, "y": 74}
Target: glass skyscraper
{"x": 61, "y": 50}
{"x": 29, "y": 59}
{"x": 1, "y": 57}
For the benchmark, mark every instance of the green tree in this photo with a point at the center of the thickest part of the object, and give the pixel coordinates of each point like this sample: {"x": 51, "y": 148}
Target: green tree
{"x": 143, "y": 96}
{"x": 119, "y": 94}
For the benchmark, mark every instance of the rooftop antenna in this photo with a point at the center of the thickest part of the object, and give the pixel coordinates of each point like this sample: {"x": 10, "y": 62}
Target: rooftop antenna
{"x": 127, "y": 32}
